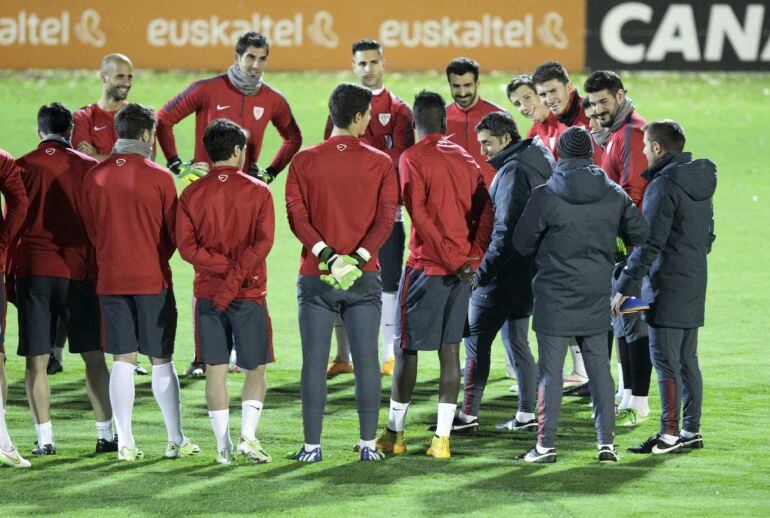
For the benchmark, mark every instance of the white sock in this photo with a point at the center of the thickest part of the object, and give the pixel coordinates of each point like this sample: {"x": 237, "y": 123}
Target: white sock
{"x": 397, "y": 416}
{"x": 220, "y": 424}
{"x": 311, "y": 447}
{"x": 388, "y": 325}
{"x": 58, "y": 353}
{"x": 341, "y": 335}
{"x": 372, "y": 445}
{"x": 620, "y": 380}
{"x": 625, "y": 399}
{"x": 668, "y": 439}
{"x": 122, "y": 401}
{"x": 233, "y": 356}
{"x": 104, "y": 430}
{"x": 251, "y": 410}
{"x": 524, "y": 417}
{"x": 687, "y": 435}
{"x": 44, "y": 433}
{"x": 5, "y": 439}
{"x": 165, "y": 388}
{"x": 541, "y": 449}
{"x": 446, "y": 414}
{"x": 640, "y": 404}
{"x": 578, "y": 367}
{"x": 465, "y": 418}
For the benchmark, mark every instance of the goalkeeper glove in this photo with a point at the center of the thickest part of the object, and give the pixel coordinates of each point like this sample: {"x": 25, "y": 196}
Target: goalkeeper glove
{"x": 467, "y": 273}
{"x": 265, "y": 175}
{"x": 343, "y": 268}
{"x": 193, "y": 171}
{"x": 174, "y": 165}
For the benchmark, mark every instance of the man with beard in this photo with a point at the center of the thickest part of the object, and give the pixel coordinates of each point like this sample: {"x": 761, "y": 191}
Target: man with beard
{"x": 622, "y": 136}
{"x": 466, "y": 112}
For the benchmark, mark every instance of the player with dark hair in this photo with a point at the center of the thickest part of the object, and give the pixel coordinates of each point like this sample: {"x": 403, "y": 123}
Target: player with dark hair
{"x": 447, "y": 200}
{"x": 679, "y": 208}
{"x": 130, "y": 212}
{"x": 504, "y": 294}
{"x": 523, "y": 95}
{"x": 468, "y": 109}
{"x": 225, "y": 229}
{"x": 570, "y": 226}
{"x": 16, "y": 202}
{"x": 54, "y": 276}
{"x": 341, "y": 198}
{"x": 390, "y": 130}
{"x": 242, "y": 96}
{"x": 624, "y": 162}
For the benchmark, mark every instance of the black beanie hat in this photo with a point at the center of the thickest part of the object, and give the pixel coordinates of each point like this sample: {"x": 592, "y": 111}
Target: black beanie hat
{"x": 576, "y": 142}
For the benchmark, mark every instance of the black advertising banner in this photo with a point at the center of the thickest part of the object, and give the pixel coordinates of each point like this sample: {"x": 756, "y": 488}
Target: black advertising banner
{"x": 686, "y": 35}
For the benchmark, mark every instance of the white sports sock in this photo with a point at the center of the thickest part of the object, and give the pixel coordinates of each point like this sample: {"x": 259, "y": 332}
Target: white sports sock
{"x": 5, "y": 439}
{"x": 465, "y": 418}
{"x": 58, "y": 353}
{"x": 388, "y": 325}
{"x": 372, "y": 445}
{"x": 625, "y": 399}
{"x": 220, "y": 424}
{"x": 251, "y": 410}
{"x": 687, "y": 435}
{"x": 524, "y": 417}
{"x": 311, "y": 447}
{"x": 397, "y": 416}
{"x": 44, "y": 433}
{"x": 233, "y": 356}
{"x": 541, "y": 449}
{"x": 341, "y": 336}
{"x": 578, "y": 367}
{"x": 668, "y": 439}
{"x": 446, "y": 414}
{"x": 620, "y": 380}
{"x": 104, "y": 430}
{"x": 122, "y": 401}
{"x": 640, "y": 404}
{"x": 165, "y": 388}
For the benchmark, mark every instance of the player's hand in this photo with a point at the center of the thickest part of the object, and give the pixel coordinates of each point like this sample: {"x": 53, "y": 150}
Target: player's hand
{"x": 174, "y": 165}
{"x": 327, "y": 278}
{"x": 345, "y": 271}
{"x": 266, "y": 175}
{"x": 617, "y": 302}
{"x": 466, "y": 273}
{"x": 87, "y": 148}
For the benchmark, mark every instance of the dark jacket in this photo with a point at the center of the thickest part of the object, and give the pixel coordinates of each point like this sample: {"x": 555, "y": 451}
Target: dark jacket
{"x": 570, "y": 225}
{"x": 678, "y": 206}
{"x": 505, "y": 277}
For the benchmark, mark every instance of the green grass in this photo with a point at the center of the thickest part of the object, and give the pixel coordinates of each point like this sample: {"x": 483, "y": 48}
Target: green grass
{"x": 725, "y": 117}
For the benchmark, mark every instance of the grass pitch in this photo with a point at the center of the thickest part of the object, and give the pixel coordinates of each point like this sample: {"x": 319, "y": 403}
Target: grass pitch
{"x": 725, "y": 117}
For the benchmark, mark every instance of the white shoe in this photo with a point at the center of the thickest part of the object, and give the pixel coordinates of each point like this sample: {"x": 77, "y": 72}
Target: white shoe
{"x": 13, "y": 459}
{"x": 574, "y": 380}
{"x": 514, "y": 388}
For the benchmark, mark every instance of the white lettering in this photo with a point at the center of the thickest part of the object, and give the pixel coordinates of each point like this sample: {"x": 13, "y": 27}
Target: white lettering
{"x": 612, "y": 27}
{"x": 157, "y": 32}
{"x": 676, "y": 34}
{"x": 724, "y": 24}
{"x": 7, "y": 31}
{"x": 32, "y": 29}
{"x": 389, "y": 32}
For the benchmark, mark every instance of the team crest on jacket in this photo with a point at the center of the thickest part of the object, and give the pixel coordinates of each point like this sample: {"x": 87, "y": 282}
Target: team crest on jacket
{"x": 222, "y": 177}
{"x": 384, "y": 118}
{"x": 50, "y": 151}
{"x": 258, "y": 112}
{"x": 120, "y": 161}
{"x": 341, "y": 147}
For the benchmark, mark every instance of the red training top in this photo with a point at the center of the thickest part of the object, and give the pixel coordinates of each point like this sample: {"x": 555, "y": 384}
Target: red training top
{"x": 53, "y": 240}
{"x": 95, "y": 126}
{"x": 549, "y": 131}
{"x": 217, "y": 98}
{"x": 225, "y": 227}
{"x": 344, "y": 193}
{"x": 575, "y": 115}
{"x": 461, "y": 129}
{"x": 445, "y": 195}
{"x": 15, "y": 203}
{"x": 129, "y": 209}
{"x": 624, "y": 160}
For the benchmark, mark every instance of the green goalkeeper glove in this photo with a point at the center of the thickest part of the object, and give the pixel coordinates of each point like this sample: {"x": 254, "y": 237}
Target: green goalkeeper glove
{"x": 192, "y": 171}
{"x": 344, "y": 269}
{"x": 266, "y": 175}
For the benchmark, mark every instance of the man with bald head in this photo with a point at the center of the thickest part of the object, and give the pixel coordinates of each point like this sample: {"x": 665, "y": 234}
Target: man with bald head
{"x": 94, "y": 132}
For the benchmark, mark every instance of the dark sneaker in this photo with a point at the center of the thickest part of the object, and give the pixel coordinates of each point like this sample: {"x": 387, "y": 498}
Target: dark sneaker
{"x": 105, "y": 446}
{"x": 608, "y": 454}
{"x": 307, "y": 456}
{"x": 692, "y": 443}
{"x": 581, "y": 391}
{"x": 195, "y": 370}
{"x": 460, "y": 427}
{"x": 46, "y": 449}
{"x": 54, "y": 366}
{"x": 517, "y": 426}
{"x": 368, "y": 454}
{"x": 656, "y": 445}
{"x": 533, "y": 455}
{"x": 139, "y": 370}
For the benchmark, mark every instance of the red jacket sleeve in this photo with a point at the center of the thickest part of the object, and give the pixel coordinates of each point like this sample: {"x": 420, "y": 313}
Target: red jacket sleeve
{"x": 82, "y": 130}
{"x": 632, "y": 164}
{"x": 187, "y": 102}
{"x": 415, "y": 193}
{"x": 189, "y": 247}
{"x": 16, "y": 203}
{"x": 296, "y": 208}
{"x": 483, "y": 220}
{"x": 287, "y": 127}
{"x": 252, "y": 256}
{"x": 329, "y": 127}
{"x": 385, "y": 217}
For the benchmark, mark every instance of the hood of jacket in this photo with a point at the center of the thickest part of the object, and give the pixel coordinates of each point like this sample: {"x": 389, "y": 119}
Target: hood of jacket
{"x": 578, "y": 181}
{"x": 697, "y": 178}
{"x": 526, "y": 151}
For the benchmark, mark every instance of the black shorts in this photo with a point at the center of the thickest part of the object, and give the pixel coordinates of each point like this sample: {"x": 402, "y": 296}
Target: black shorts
{"x": 139, "y": 323}
{"x": 43, "y": 301}
{"x": 433, "y": 310}
{"x": 392, "y": 258}
{"x": 245, "y": 325}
